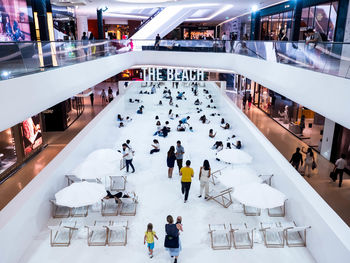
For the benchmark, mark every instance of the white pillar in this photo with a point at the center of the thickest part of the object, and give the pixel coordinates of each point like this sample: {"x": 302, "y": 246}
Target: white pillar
{"x": 327, "y": 139}
{"x": 82, "y": 26}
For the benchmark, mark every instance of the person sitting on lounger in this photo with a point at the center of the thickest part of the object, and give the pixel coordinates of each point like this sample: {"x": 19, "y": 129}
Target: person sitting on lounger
{"x": 211, "y": 133}
{"x": 181, "y": 127}
{"x": 226, "y": 126}
{"x": 171, "y": 114}
{"x": 228, "y": 145}
{"x": 117, "y": 195}
{"x": 121, "y": 124}
{"x": 238, "y": 145}
{"x": 159, "y": 127}
{"x": 180, "y": 95}
{"x": 160, "y": 103}
{"x": 218, "y": 145}
{"x": 153, "y": 90}
{"x": 184, "y": 120}
{"x": 119, "y": 118}
{"x": 171, "y": 101}
{"x": 197, "y": 102}
{"x": 222, "y": 121}
{"x": 128, "y": 119}
{"x": 204, "y": 119}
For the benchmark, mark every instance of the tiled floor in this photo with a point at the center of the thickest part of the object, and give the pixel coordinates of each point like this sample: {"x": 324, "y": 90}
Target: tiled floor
{"x": 285, "y": 142}
{"x": 56, "y": 142}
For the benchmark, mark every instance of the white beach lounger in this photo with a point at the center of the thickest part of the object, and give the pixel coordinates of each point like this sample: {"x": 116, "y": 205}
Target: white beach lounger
{"x": 97, "y": 234}
{"x": 80, "y": 211}
{"x": 128, "y": 206}
{"x": 223, "y": 197}
{"x": 110, "y": 207}
{"x": 277, "y": 211}
{"x": 61, "y": 235}
{"x": 118, "y": 233}
{"x": 59, "y": 211}
{"x": 295, "y": 236}
{"x": 273, "y": 235}
{"x": 117, "y": 183}
{"x": 242, "y": 236}
{"x": 267, "y": 178}
{"x": 251, "y": 211}
{"x": 72, "y": 179}
{"x": 214, "y": 177}
{"x": 219, "y": 237}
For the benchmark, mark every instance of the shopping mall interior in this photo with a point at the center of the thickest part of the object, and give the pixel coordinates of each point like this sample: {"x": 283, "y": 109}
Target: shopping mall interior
{"x": 120, "y": 117}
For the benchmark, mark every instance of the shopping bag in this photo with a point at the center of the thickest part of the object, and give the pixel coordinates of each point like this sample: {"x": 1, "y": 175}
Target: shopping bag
{"x": 314, "y": 165}
{"x": 333, "y": 176}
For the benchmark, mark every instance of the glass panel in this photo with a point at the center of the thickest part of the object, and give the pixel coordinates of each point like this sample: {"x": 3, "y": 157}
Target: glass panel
{"x": 321, "y": 18}
{"x": 332, "y": 20}
{"x": 310, "y": 23}
{"x": 7, "y": 150}
{"x": 275, "y": 25}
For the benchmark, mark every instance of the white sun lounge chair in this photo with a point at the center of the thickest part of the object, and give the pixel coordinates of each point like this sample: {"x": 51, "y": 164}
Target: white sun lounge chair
{"x": 223, "y": 197}
{"x": 118, "y": 233}
{"x": 214, "y": 177}
{"x": 219, "y": 237}
{"x": 295, "y": 236}
{"x": 59, "y": 211}
{"x": 80, "y": 211}
{"x": 242, "y": 236}
{"x": 128, "y": 206}
{"x": 122, "y": 164}
{"x": 267, "y": 178}
{"x": 61, "y": 235}
{"x": 72, "y": 179}
{"x": 273, "y": 235}
{"x": 251, "y": 211}
{"x": 117, "y": 183}
{"x": 97, "y": 234}
{"x": 277, "y": 211}
{"x": 109, "y": 207}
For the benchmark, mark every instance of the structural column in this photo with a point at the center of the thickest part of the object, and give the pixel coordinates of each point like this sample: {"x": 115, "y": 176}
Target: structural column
{"x": 297, "y": 19}
{"x": 255, "y": 26}
{"x": 82, "y": 26}
{"x": 100, "y": 24}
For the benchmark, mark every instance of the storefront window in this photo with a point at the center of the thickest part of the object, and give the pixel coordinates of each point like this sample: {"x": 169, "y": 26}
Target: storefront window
{"x": 272, "y": 25}
{"x": 31, "y": 134}
{"x": 8, "y": 155}
{"x": 322, "y": 18}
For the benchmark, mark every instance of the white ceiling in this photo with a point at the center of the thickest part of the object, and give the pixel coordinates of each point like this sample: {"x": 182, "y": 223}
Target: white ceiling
{"x": 208, "y": 10}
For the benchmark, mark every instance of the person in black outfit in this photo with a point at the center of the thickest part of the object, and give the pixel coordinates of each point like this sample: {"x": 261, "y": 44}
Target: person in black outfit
{"x": 244, "y": 101}
{"x": 92, "y": 98}
{"x": 171, "y": 241}
{"x": 296, "y": 159}
{"x": 170, "y": 161}
{"x": 157, "y": 43}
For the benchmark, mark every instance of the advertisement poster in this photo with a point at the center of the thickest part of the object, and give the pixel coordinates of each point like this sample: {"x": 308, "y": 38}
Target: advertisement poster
{"x": 31, "y": 133}
{"x": 7, "y": 150}
{"x": 14, "y": 24}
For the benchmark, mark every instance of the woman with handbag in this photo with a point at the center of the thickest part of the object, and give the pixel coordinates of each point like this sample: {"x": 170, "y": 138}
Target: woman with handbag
{"x": 309, "y": 162}
{"x": 171, "y": 241}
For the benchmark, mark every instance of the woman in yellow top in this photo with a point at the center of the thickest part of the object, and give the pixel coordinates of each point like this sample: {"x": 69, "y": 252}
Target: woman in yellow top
{"x": 187, "y": 174}
{"x": 149, "y": 238}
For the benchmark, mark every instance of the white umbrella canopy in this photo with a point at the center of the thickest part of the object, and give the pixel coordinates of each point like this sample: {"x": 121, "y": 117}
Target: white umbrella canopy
{"x": 234, "y": 156}
{"x": 239, "y": 176}
{"x": 98, "y": 164}
{"x": 80, "y": 194}
{"x": 259, "y": 195}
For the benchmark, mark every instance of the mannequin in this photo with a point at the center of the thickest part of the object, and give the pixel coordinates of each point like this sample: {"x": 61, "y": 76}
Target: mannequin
{"x": 284, "y": 114}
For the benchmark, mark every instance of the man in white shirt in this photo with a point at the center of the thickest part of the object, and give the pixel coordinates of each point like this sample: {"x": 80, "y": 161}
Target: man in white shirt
{"x": 127, "y": 155}
{"x": 224, "y": 38}
{"x": 339, "y": 168}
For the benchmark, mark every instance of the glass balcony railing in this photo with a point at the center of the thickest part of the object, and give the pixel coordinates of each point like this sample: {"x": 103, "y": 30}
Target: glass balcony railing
{"x": 22, "y": 58}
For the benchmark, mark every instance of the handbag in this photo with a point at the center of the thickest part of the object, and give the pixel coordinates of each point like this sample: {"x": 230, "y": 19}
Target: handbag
{"x": 314, "y": 165}
{"x": 171, "y": 241}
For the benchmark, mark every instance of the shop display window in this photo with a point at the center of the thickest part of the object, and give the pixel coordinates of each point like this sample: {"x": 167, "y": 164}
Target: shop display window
{"x": 272, "y": 25}
{"x": 8, "y": 156}
{"x": 31, "y": 134}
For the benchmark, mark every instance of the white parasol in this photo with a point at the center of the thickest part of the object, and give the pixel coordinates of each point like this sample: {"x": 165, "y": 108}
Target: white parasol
{"x": 98, "y": 164}
{"x": 259, "y": 195}
{"x": 239, "y": 176}
{"x": 80, "y": 194}
{"x": 234, "y": 156}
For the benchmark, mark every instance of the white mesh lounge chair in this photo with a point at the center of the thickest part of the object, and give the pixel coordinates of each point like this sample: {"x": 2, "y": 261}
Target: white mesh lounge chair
{"x": 61, "y": 235}
{"x": 214, "y": 177}
{"x": 122, "y": 164}
{"x": 251, "y": 211}
{"x": 219, "y": 237}
{"x": 72, "y": 179}
{"x": 295, "y": 236}
{"x": 117, "y": 183}
{"x": 80, "y": 211}
{"x": 223, "y": 197}
{"x": 95, "y": 180}
{"x": 277, "y": 211}
{"x": 97, "y": 234}
{"x": 266, "y": 178}
{"x": 118, "y": 233}
{"x": 109, "y": 207}
{"x": 273, "y": 235}
{"x": 128, "y": 206}
{"x": 59, "y": 211}
{"x": 242, "y": 236}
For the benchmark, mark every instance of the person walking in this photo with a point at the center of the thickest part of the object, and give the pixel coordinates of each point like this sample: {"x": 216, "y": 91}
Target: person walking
{"x": 157, "y": 42}
{"x": 186, "y": 174}
{"x": 179, "y": 154}
{"x": 244, "y": 101}
{"x": 103, "y": 97}
{"x": 296, "y": 159}
{"x": 85, "y": 43}
{"x": 149, "y": 238}
{"x": 250, "y": 99}
{"x": 170, "y": 161}
{"x": 204, "y": 175}
{"x": 110, "y": 94}
{"x": 171, "y": 241}
{"x": 309, "y": 159}
{"x": 128, "y": 156}
{"x": 339, "y": 168}
{"x": 92, "y": 98}
{"x": 155, "y": 146}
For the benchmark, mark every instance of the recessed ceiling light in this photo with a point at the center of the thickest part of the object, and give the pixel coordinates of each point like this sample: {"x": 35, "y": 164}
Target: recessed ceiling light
{"x": 254, "y": 8}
